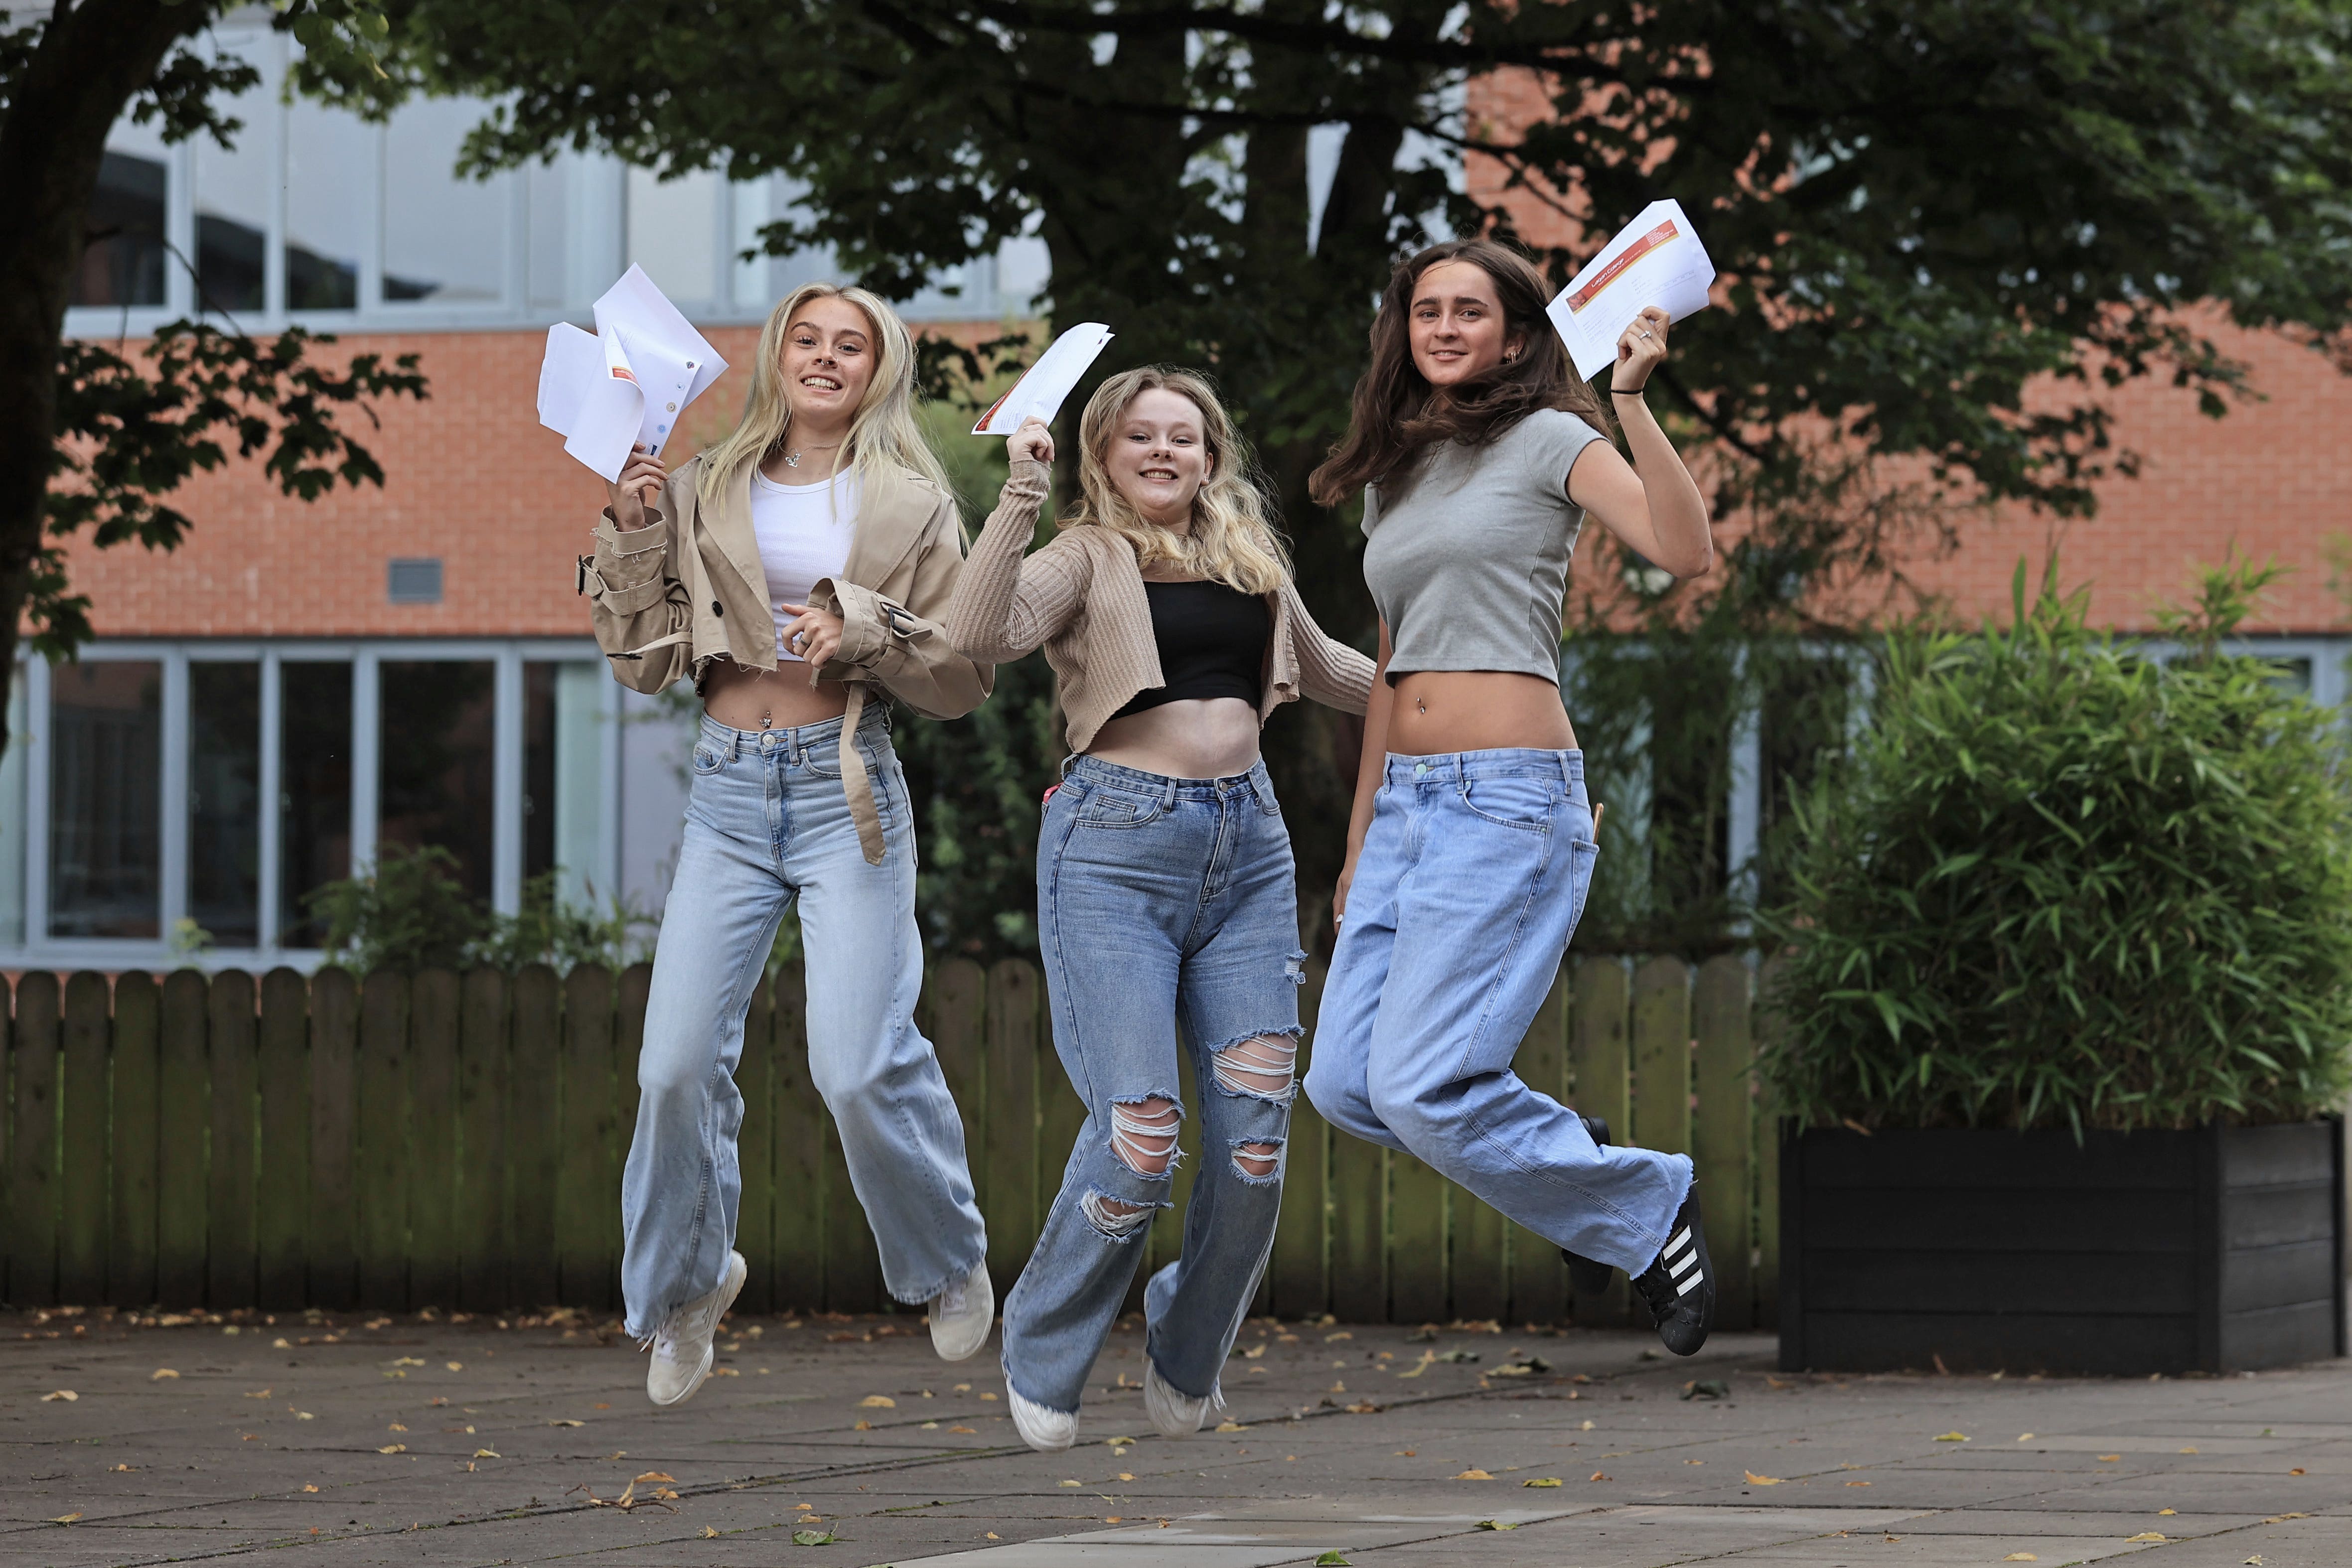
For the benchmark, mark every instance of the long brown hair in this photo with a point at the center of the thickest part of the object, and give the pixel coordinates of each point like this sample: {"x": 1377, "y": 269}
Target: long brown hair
{"x": 1396, "y": 418}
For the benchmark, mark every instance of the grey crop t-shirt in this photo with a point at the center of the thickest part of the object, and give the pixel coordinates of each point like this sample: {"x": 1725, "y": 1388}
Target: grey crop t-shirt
{"x": 1467, "y": 555}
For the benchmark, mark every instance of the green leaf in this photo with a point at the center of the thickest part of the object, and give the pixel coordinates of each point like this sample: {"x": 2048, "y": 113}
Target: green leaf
{"x": 1331, "y": 1560}
{"x": 814, "y": 1538}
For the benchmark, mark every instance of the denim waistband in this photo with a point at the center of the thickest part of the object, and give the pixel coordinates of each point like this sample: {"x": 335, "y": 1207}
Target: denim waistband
{"x": 1504, "y": 762}
{"x": 798, "y": 741}
{"x": 1092, "y": 770}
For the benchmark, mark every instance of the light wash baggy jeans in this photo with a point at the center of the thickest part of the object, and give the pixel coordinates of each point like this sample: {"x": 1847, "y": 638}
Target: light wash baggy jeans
{"x": 767, "y": 821}
{"x": 1466, "y": 891}
{"x": 1159, "y": 900}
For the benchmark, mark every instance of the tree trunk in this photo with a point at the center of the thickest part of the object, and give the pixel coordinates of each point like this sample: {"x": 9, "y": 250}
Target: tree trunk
{"x": 89, "y": 61}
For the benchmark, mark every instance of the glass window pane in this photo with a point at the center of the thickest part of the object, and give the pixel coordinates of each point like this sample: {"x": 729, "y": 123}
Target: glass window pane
{"x": 444, "y": 239}
{"x": 314, "y": 813}
{"x": 106, "y": 842}
{"x": 331, "y": 162}
{"x": 563, "y": 778}
{"x": 438, "y": 767}
{"x": 674, "y": 232}
{"x": 12, "y": 817}
{"x": 224, "y": 800}
{"x": 233, "y": 190}
{"x": 122, "y": 245}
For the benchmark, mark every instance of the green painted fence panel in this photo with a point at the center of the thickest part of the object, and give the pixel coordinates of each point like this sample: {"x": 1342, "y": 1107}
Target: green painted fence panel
{"x": 800, "y": 1122}
{"x": 1358, "y": 1248}
{"x": 432, "y": 1015}
{"x": 1014, "y": 992}
{"x": 82, "y": 1176}
{"x": 1294, "y": 1282}
{"x": 130, "y": 1239}
{"x": 184, "y": 1093}
{"x": 282, "y": 1164}
{"x": 382, "y": 1122}
{"x": 1768, "y": 1026}
{"x": 630, "y": 993}
{"x": 333, "y": 1188}
{"x": 1538, "y": 1279}
{"x": 233, "y": 1026}
{"x": 534, "y": 1136}
{"x": 33, "y": 1144}
{"x": 582, "y": 1264}
{"x": 755, "y": 1152}
{"x": 1601, "y": 1064}
{"x": 1662, "y": 1056}
{"x": 485, "y": 1050}
{"x": 1722, "y": 1135}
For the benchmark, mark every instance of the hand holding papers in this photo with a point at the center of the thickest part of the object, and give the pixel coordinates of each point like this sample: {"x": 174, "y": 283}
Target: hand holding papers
{"x": 625, "y": 384}
{"x": 1040, "y": 392}
{"x": 1657, "y": 260}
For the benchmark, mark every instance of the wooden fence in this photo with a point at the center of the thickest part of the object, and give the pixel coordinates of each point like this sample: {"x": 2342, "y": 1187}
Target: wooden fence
{"x": 455, "y": 1141}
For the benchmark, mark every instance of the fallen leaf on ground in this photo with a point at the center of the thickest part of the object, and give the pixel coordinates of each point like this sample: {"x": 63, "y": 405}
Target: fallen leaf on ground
{"x": 813, "y": 1538}
{"x": 2297, "y": 1471}
{"x": 394, "y": 1449}
{"x": 1596, "y": 1476}
{"x": 1706, "y": 1388}
{"x": 1231, "y": 1426}
{"x": 1857, "y": 1483}
{"x": 1952, "y": 1438}
{"x": 65, "y": 1519}
{"x": 1418, "y": 1367}
{"x": 1330, "y": 1560}
{"x": 1459, "y": 1356}
{"x": 160, "y": 1374}
{"x": 258, "y": 1394}
{"x": 1755, "y": 1480}
{"x": 878, "y": 1402}
{"x": 488, "y": 1454}
{"x": 395, "y": 1426}
{"x": 67, "y": 1394}
{"x": 2110, "y": 1458}
{"x": 1513, "y": 1371}
{"x": 454, "y": 1366}
{"x": 2025, "y": 1436}
{"x": 567, "y": 1423}
{"x": 308, "y": 1486}
{"x": 862, "y": 1427}
{"x": 2020, "y": 1557}
{"x": 1588, "y": 1427}
{"x": 1408, "y": 1453}
{"x": 2187, "y": 1450}
{"x": 1495, "y": 1524}
{"x": 2150, "y": 1536}
{"x": 1069, "y": 1484}
{"x": 656, "y": 1476}
{"x": 1473, "y": 1476}
{"x": 2162, "y": 1511}
{"x": 1540, "y": 1481}
{"x": 709, "y": 1534}
{"x": 967, "y": 1431}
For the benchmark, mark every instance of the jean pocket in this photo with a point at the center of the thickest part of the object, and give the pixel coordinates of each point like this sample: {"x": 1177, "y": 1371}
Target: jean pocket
{"x": 708, "y": 759}
{"x": 1513, "y": 802}
{"x": 1109, "y": 808}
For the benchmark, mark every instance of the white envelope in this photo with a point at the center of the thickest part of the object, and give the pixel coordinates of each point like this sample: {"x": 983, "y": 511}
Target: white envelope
{"x": 1039, "y": 392}
{"x": 626, "y": 384}
{"x": 1655, "y": 260}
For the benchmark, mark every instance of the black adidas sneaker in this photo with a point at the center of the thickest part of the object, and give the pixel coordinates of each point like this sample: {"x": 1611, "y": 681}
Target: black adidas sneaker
{"x": 1680, "y": 1285}
{"x": 1589, "y": 1278}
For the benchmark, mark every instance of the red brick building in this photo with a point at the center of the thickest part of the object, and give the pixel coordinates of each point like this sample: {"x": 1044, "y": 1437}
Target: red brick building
{"x": 299, "y": 683}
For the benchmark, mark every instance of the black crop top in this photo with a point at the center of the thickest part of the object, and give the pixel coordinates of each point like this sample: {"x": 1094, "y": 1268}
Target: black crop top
{"x": 1212, "y": 643}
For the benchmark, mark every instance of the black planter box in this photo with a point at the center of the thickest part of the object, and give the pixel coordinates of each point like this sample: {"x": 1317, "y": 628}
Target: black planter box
{"x": 2214, "y": 1249}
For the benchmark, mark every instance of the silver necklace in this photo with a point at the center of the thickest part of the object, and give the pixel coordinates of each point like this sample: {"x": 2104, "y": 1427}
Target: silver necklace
{"x": 792, "y": 458}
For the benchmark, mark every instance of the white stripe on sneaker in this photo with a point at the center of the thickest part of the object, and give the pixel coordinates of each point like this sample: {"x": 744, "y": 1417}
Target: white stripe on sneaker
{"x": 1687, "y": 1286}
{"x": 1682, "y": 1238}
{"x": 1677, "y": 1269}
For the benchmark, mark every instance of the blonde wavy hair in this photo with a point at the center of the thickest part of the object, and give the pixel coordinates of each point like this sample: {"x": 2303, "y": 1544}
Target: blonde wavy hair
{"x": 884, "y": 434}
{"x": 1233, "y": 540}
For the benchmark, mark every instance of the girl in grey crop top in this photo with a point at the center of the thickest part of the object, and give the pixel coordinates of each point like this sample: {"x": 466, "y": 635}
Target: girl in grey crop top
{"x": 1467, "y": 556}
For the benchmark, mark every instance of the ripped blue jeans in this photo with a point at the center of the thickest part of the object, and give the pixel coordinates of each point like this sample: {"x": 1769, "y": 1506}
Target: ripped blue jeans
{"x": 1165, "y": 910}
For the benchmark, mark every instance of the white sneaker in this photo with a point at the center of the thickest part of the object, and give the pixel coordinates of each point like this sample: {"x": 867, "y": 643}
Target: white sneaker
{"x": 1047, "y": 1431}
{"x": 962, "y": 1314}
{"x": 682, "y": 1349}
{"x": 1176, "y": 1415}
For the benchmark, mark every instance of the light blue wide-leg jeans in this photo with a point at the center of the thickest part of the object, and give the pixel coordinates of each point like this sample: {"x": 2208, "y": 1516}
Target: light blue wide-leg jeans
{"x": 1467, "y": 889}
{"x": 1160, "y": 900}
{"x": 768, "y": 822}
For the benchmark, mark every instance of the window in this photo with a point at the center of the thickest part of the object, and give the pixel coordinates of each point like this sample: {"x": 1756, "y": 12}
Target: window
{"x": 564, "y": 760}
{"x": 234, "y": 197}
{"x": 437, "y": 762}
{"x": 331, "y": 158}
{"x": 224, "y": 800}
{"x": 123, "y": 246}
{"x": 105, "y": 778}
{"x": 445, "y": 238}
{"x": 314, "y": 800}
{"x": 674, "y": 232}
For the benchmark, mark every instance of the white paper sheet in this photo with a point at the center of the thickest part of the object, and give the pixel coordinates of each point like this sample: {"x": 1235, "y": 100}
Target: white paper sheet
{"x": 627, "y": 383}
{"x": 1656, "y": 260}
{"x": 1039, "y": 392}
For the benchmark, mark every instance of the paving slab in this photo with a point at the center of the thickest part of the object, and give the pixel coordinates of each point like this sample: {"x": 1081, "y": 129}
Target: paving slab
{"x": 429, "y": 1439}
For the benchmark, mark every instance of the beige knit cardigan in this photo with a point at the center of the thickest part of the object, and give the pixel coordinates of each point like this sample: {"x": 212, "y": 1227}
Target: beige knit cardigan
{"x": 1081, "y": 597}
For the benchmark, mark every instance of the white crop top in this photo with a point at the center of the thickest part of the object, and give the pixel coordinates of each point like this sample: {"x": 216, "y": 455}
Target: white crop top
{"x": 804, "y": 533}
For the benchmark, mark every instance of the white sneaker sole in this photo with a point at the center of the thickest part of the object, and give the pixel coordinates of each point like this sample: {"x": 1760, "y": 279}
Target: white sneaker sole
{"x": 961, "y": 1339}
{"x": 730, "y": 1288}
{"x": 1047, "y": 1431}
{"x": 1173, "y": 1414}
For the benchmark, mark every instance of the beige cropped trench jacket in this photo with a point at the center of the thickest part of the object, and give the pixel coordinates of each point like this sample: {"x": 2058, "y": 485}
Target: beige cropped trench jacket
{"x": 688, "y": 588}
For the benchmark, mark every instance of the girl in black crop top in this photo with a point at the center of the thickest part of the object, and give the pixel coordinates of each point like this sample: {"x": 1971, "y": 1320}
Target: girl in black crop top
{"x": 1164, "y": 878}
{"x": 1211, "y": 642}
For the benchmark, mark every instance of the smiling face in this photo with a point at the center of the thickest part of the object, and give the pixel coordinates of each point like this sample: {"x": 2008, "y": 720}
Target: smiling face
{"x": 1159, "y": 456}
{"x": 827, "y": 365}
{"x": 1456, "y": 327}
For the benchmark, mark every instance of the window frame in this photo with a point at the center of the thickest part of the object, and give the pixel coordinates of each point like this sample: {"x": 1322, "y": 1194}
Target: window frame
{"x": 366, "y": 656}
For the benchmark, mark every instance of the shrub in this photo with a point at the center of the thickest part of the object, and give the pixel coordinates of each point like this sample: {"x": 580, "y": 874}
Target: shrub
{"x": 2057, "y": 882}
{"x": 412, "y": 914}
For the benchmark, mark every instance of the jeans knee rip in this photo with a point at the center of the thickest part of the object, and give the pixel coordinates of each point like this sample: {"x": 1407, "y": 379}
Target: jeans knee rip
{"x": 1261, "y": 1066}
{"x": 1116, "y": 1218}
{"x": 1143, "y": 1135}
{"x": 1294, "y": 969}
{"x": 1251, "y": 1153}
